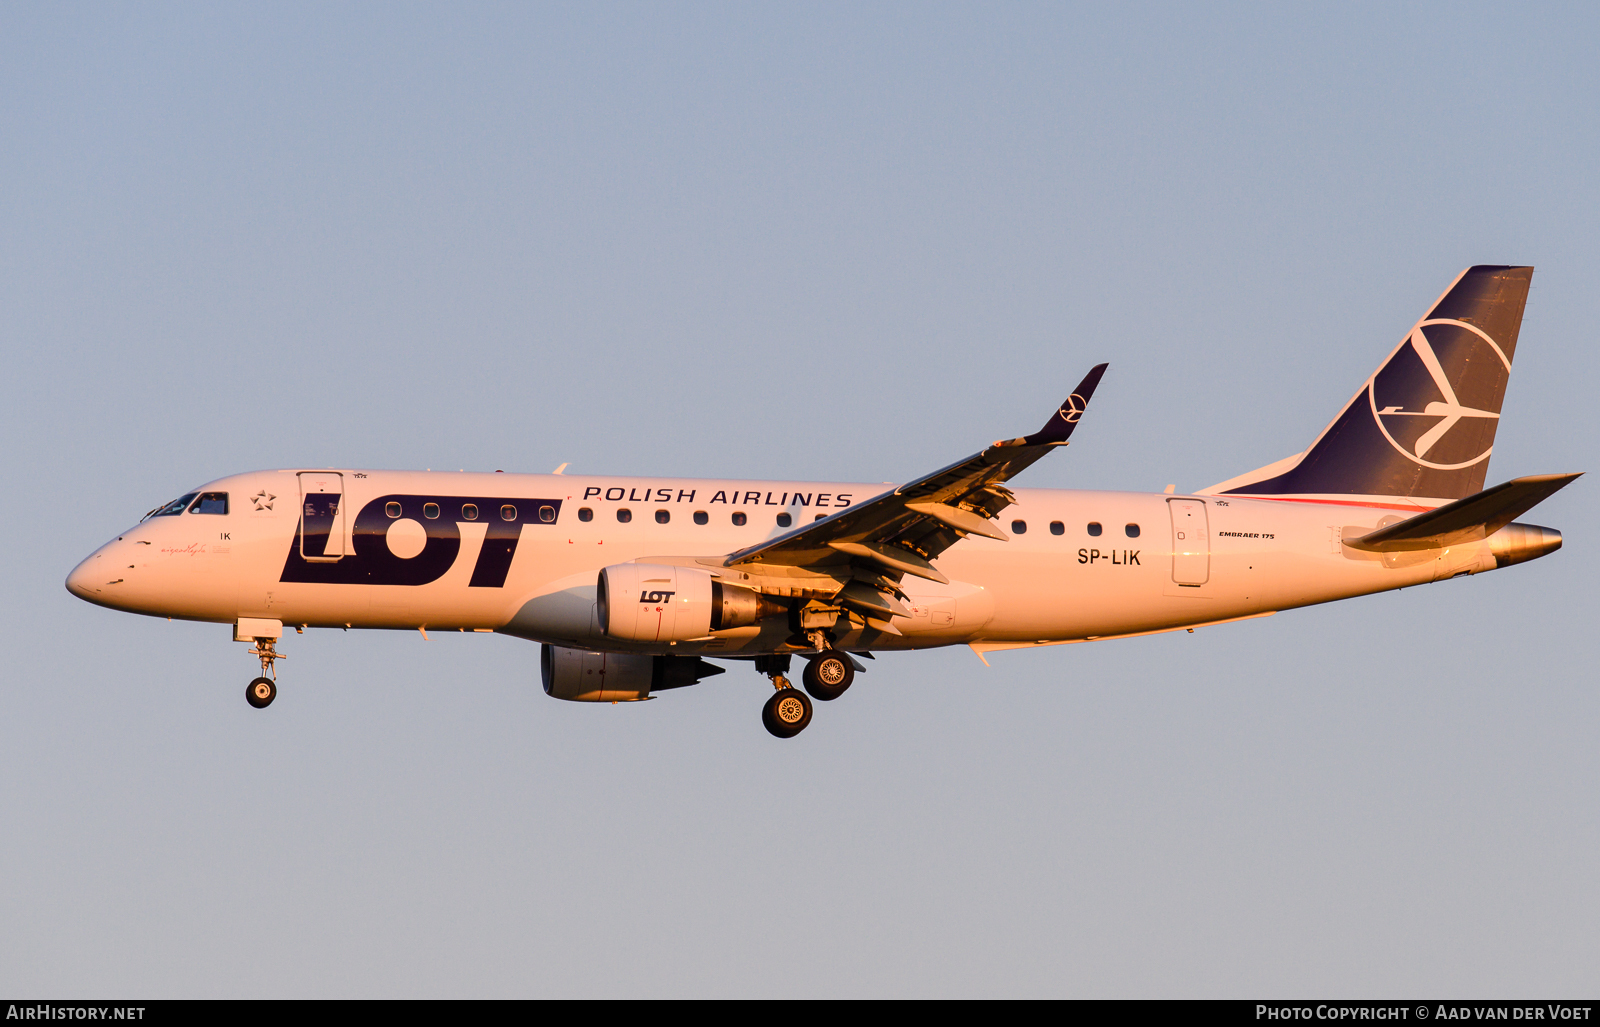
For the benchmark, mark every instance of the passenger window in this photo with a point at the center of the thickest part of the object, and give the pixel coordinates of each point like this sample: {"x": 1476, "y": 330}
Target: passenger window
{"x": 1094, "y": 527}
{"x": 1057, "y": 528}
{"x": 663, "y": 516}
{"x": 739, "y": 519}
{"x": 624, "y": 516}
{"x": 701, "y": 517}
{"x": 508, "y": 512}
{"x": 430, "y": 511}
{"x": 392, "y": 509}
{"x": 1019, "y": 527}
{"x": 784, "y": 520}
{"x": 586, "y": 515}
{"x": 547, "y": 514}
{"x": 177, "y": 506}
{"x": 469, "y": 511}
{"x": 1132, "y": 530}
{"x": 211, "y": 503}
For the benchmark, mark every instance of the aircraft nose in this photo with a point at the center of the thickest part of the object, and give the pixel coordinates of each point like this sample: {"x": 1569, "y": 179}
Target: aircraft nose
{"x": 87, "y": 580}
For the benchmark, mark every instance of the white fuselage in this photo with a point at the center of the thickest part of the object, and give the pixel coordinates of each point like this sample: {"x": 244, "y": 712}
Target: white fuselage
{"x": 532, "y": 572}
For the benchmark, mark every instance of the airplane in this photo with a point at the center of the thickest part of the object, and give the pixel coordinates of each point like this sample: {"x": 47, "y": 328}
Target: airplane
{"x": 633, "y": 585}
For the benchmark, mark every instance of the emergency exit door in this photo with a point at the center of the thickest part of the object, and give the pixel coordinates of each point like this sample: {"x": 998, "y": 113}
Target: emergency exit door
{"x": 322, "y": 520}
{"x": 1191, "y": 542}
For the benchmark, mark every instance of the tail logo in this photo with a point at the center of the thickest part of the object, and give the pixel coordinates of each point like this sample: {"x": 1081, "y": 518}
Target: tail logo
{"x": 1450, "y": 412}
{"x": 1072, "y": 409}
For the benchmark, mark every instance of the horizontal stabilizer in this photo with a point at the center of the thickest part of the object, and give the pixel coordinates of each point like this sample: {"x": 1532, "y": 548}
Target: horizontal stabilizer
{"x": 1466, "y": 520}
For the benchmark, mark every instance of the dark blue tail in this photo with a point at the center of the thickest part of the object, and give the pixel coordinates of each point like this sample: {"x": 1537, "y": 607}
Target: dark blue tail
{"x": 1422, "y": 427}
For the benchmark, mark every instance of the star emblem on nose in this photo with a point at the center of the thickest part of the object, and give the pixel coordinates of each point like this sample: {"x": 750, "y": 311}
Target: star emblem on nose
{"x": 263, "y": 500}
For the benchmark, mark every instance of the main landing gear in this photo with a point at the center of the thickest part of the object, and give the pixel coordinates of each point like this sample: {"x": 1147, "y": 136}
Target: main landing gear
{"x": 828, "y": 674}
{"x": 788, "y": 711}
{"x": 260, "y": 692}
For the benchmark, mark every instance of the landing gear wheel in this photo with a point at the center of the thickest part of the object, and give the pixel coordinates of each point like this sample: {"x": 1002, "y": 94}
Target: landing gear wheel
{"x": 827, "y": 675}
{"x": 261, "y": 692}
{"x": 787, "y": 713}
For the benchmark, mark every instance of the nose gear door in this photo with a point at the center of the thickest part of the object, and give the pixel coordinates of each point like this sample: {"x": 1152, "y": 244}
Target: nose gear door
{"x": 323, "y": 533}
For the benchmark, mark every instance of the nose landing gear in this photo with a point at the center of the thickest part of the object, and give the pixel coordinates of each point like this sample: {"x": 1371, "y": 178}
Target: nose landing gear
{"x": 260, "y": 692}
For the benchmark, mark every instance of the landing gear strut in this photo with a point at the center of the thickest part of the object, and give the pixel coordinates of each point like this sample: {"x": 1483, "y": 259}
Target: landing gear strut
{"x": 788, "y": 711}
{"x": 260, "y": 692}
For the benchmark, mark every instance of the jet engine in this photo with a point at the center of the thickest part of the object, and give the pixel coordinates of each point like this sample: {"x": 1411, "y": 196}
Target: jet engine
{"x": 643, "y": 602}
{"x": 582, "y": 676}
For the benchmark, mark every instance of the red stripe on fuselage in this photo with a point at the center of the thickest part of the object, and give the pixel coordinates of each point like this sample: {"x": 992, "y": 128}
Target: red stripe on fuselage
{"x": 1335, "y": 502}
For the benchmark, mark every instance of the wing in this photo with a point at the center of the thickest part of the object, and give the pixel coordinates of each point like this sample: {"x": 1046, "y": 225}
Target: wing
{"x": 903, "y": 531}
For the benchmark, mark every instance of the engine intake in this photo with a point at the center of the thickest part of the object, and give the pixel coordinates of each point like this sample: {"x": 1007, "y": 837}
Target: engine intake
{"x": 578, "y": 675}
{"x": 642, "y": 602}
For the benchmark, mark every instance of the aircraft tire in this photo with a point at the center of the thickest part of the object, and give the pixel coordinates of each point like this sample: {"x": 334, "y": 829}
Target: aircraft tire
{"x": 827, "y": 675}
{"x": 787, "y": 713}
{"x": 260, "y": 693}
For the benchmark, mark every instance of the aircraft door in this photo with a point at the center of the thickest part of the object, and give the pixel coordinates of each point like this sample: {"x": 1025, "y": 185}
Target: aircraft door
{"x": 322, "y": 520}
{"x": 1191, "y": 542}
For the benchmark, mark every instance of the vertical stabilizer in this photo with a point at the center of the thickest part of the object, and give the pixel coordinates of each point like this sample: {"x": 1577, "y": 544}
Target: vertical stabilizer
{"x": 1422, "y": 427}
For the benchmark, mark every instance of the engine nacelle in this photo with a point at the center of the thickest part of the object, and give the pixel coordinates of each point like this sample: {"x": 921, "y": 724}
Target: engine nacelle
{"x": 579, "y": 675}
{"x": 643, "y": 602}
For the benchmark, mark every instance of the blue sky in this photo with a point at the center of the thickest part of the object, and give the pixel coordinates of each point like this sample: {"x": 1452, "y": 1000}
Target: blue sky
{"x": 817, "y": 241}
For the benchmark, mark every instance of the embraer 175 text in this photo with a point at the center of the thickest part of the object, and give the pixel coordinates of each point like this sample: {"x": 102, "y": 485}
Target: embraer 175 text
{"x": 630, "y": 584}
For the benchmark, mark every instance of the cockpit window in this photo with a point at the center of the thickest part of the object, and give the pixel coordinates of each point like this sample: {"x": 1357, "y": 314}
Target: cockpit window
{"x": 211, "y": 503}
{"x": 172, "y": 509}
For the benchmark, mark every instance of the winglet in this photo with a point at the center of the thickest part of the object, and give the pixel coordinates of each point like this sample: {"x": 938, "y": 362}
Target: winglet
{"x": 1056, "y": 430}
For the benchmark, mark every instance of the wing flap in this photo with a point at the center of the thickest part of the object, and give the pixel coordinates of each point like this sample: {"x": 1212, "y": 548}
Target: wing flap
{"x": 895, "y": 558}
{"x": 871, "y": 601}
{"x": 960, "y": 519}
